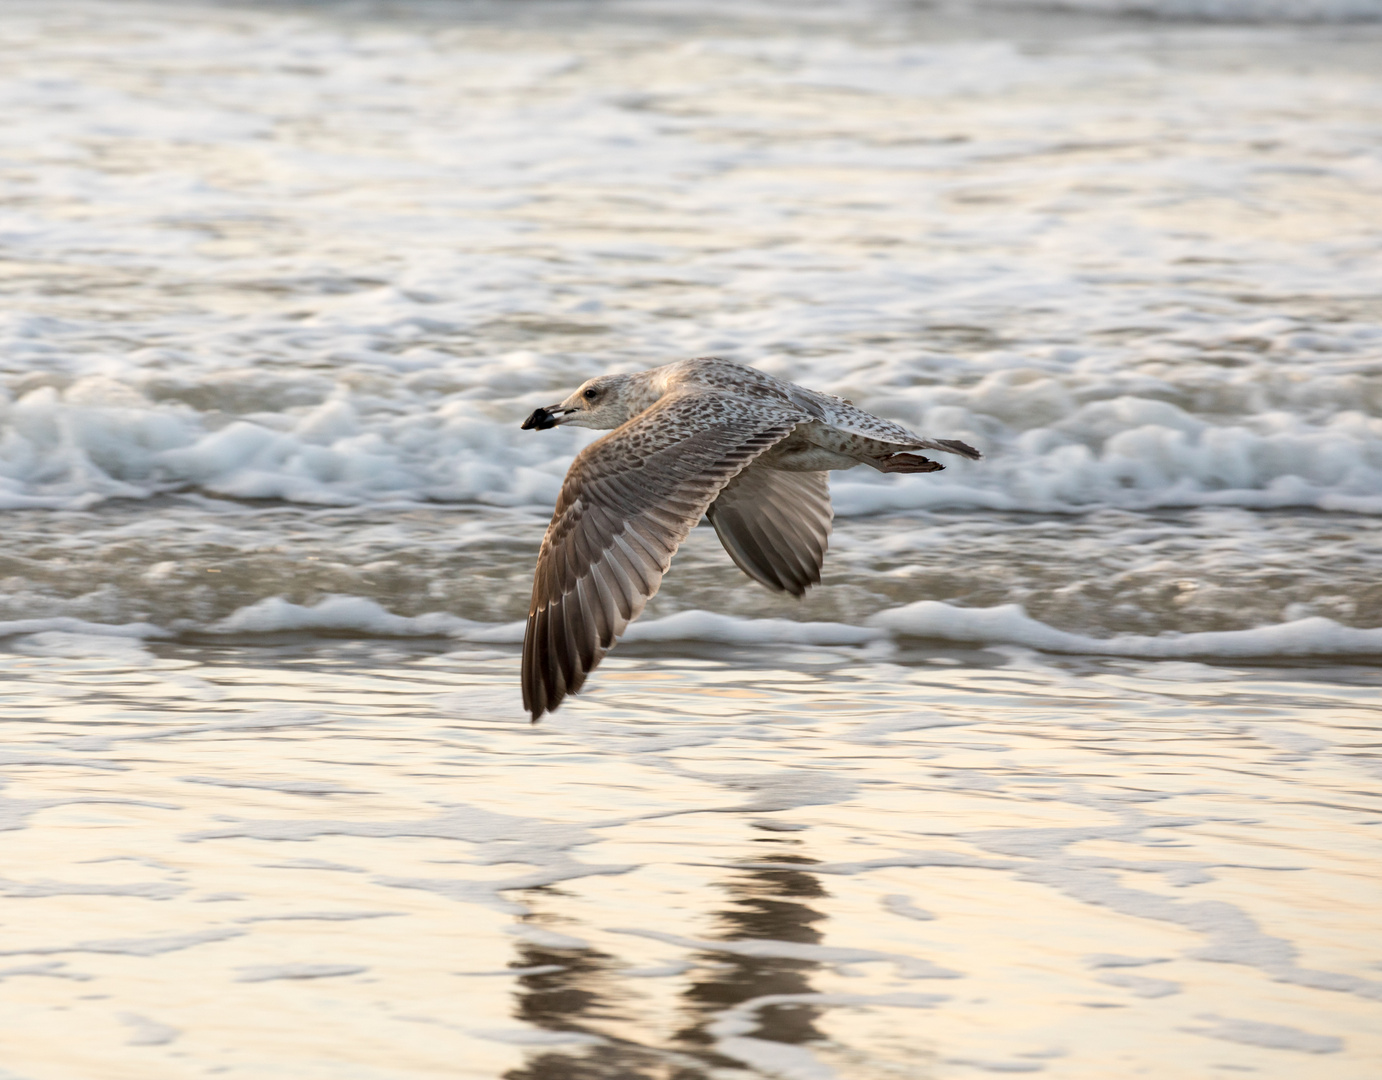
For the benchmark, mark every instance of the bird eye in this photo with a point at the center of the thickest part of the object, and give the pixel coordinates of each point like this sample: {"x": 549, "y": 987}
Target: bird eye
{"x": 591, "y": 394}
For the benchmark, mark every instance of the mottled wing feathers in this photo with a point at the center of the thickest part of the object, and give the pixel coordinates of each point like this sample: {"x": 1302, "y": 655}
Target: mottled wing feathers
{"x": 628, "y": 502}
{"x": 775, "y": 526}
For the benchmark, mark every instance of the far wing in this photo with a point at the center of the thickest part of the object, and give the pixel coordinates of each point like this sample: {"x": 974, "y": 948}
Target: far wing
{"x": 628, "y": 502}
{"x": 775, "y": 525}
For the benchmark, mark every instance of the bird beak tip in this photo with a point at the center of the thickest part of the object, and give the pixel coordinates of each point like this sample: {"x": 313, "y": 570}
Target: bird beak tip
{"x": 541, "y": 419}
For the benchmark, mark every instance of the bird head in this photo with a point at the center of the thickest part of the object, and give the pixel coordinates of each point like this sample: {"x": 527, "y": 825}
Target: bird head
{"x": 602, "y": 403}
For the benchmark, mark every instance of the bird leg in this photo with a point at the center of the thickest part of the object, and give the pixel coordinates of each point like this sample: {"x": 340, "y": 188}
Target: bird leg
{"x": 907, "y": 463}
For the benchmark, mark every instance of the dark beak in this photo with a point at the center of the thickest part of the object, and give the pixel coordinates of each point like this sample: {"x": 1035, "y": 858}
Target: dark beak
{"x": 542, "y": 419}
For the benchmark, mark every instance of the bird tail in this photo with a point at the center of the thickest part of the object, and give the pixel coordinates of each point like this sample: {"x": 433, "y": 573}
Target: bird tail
{"x": 951, "y": 446}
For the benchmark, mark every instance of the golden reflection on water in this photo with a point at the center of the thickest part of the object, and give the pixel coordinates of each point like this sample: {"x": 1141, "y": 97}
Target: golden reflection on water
{"x": 327, "y": 858}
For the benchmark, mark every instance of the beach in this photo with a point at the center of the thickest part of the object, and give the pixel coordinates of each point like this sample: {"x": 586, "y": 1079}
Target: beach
{"x": 1069, "y": 765}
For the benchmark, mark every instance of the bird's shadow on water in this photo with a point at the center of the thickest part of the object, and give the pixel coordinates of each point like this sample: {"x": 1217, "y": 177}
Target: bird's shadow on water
{"x": 583, "y": 991}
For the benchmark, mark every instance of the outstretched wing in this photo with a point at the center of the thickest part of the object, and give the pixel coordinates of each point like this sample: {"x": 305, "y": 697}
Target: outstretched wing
{"x": 775, "y": 525}
{"x": 628, "y": 502}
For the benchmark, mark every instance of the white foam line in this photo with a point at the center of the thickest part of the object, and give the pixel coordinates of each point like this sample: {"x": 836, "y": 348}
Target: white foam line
{"x": 355, "y": 613}
{"x": 271, "y": 972}
{"x": 347, "y": 613}
{"x": 729, "y": 630}
{"x": 1009, "y": 624}
{"x": 66, "y": 624}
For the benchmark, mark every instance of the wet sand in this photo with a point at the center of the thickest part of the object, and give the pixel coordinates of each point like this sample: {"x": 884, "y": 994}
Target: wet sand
{"x": 318, "y": 857}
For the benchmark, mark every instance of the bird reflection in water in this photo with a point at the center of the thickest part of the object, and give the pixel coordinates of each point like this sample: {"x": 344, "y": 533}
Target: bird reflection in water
{"x": 765, "y": 905}
{"x": 581, "y": 990}
{"x": 577, "y": 991}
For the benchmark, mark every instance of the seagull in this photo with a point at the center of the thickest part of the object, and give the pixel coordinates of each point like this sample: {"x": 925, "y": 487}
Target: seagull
{"x": 697, "y": 437}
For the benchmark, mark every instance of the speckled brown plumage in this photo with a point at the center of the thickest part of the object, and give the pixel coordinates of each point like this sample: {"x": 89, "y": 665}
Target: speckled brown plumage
{"x": 699, "y": 437}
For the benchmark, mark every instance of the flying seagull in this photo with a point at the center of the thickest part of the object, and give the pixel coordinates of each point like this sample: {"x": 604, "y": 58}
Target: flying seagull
{"x": 697, "y": 437}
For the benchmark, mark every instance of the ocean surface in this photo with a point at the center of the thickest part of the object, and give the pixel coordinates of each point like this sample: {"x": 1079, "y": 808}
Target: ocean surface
{"x": 1070, "y": 765}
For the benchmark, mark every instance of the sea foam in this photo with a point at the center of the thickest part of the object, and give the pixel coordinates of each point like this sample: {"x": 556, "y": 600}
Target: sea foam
{"x": 1054, "y": 441}
{"x": 1008, "y": 624}
{"x": 1135, "y": 349}
{"x": 931, "y": 620}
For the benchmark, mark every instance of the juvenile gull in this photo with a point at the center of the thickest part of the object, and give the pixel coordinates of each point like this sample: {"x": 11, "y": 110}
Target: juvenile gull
{"x": 703, "y": 436}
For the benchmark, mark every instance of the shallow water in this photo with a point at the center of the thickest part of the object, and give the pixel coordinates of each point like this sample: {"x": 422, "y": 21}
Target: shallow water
{"x": 341, "y": 858}
{"x": 197, "y": 564}
{"x": 282, "y": 281}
